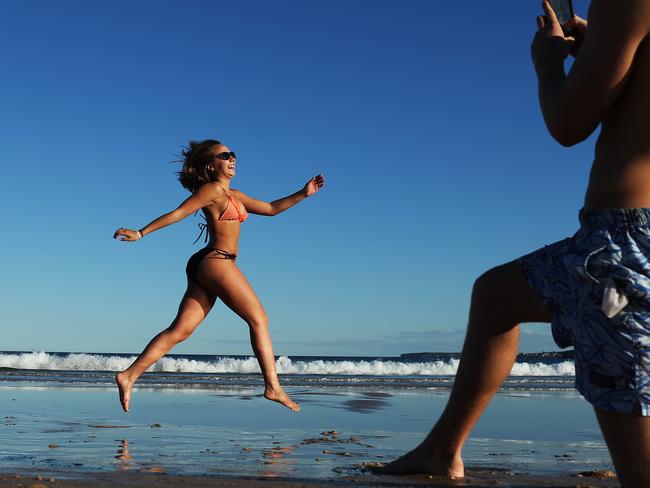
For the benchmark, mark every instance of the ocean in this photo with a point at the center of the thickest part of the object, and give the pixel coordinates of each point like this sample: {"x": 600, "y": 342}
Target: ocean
{"x": 533, "y": 371}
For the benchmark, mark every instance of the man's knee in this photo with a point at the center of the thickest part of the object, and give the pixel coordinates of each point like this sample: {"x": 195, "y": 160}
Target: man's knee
{"x": 491, "y": 298}
{"x": 487, "y": 286}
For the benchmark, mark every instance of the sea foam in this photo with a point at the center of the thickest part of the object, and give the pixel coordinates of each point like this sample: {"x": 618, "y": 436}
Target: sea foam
{"x": 95, "y": 362}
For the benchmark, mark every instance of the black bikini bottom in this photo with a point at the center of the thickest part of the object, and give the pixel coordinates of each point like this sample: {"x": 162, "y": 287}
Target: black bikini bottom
{"x": 193, "y": 263}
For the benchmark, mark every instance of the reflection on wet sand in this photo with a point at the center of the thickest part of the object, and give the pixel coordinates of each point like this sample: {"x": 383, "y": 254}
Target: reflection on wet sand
{"x": 300, "y": 394}
{"x": 371, "y": 402}
{"x": 377, "y": 394}
{"x": 125, "y": 460}
{"x": 276, "y": 463}
{"x": 123, "y": 457}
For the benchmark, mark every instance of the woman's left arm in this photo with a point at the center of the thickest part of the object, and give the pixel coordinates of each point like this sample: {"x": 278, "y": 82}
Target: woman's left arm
{"x": 275, "y": 207}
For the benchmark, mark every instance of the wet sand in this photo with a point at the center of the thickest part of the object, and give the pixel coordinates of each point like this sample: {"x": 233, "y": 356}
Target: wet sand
{"x": 78, "y": 436}
{"x": 474, "y": 478}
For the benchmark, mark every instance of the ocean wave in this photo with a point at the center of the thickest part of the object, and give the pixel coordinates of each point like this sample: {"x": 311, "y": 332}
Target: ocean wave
{"x": 95, "y": 362}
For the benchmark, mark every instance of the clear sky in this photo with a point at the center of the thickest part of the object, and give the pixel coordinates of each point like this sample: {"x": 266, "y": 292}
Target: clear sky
{"x": 422, "y": 115}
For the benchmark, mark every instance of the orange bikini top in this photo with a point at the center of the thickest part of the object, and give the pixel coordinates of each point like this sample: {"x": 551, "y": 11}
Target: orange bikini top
{"x": 231, "y": 212}
{"x": 233, "y": 209}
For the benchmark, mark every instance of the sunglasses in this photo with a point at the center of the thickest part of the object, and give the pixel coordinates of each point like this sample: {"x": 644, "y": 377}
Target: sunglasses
{"x": 225, "y": 156}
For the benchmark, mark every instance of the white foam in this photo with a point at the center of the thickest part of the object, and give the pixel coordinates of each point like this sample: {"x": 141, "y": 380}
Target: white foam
{"x": 93, "y": 362}
{"x": 74, "y": 361}
{"x": 565, "y": 368}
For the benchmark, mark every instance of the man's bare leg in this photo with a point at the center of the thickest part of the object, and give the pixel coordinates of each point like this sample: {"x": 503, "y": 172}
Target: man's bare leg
{"x": 195, "y": 305}
{"x": 501, "y": 299}
{"x": 628, "y": 440}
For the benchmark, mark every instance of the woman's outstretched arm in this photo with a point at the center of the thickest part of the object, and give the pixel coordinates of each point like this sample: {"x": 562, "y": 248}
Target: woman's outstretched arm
{"x": 203, "y": 197}
{"x": 261, "y": 207}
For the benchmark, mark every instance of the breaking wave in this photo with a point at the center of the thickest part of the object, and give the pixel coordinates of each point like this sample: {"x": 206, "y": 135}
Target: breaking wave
{"x": 223, "y": 364}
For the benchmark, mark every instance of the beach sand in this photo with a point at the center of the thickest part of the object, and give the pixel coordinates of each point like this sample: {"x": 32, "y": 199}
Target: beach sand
{"x": 474, "y": 478}
{"x": 78, "y": 436}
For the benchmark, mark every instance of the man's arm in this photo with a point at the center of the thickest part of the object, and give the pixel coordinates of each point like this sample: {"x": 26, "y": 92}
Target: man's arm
{"x": 574, "y": 105}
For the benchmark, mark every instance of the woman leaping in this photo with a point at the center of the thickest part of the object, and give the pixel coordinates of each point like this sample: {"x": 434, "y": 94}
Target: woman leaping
{"x": 212, "y": 272}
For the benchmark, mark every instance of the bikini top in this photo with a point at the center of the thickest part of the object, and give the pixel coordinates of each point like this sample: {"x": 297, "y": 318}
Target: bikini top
{"x": 231, "y": 212}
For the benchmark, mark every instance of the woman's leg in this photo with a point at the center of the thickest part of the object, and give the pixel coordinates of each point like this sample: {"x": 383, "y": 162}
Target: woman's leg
{"x": 501, "y": 299}
{"x": 194, "y": 307}
{"x": 223, "y": 278}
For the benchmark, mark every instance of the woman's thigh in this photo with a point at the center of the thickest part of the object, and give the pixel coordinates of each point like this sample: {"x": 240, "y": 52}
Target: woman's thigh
{"x": 194, "y": 307}
{"x": 196, "y": 300}
{"x": 223, "y": 278}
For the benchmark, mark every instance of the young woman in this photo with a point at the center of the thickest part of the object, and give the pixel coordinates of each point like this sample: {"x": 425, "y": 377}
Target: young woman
{"x": 212, "y": 272}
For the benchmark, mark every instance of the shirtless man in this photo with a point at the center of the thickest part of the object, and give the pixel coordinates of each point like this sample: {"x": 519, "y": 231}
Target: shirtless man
{"x": 594, "y": 288}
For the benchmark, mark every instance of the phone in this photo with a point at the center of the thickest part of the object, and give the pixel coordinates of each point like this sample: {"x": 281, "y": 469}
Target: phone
{"x": 563, "y": 10}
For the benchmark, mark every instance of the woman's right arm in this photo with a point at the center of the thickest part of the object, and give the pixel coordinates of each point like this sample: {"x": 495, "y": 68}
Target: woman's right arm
{"x": 203, "y": 197}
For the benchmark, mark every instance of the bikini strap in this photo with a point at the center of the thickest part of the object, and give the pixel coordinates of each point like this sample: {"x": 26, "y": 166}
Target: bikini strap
{"x": 225, "y": 254}
{"x": 203, "y": 226}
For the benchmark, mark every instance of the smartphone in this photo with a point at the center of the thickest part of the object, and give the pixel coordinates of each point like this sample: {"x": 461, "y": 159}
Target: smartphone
{"x": 563, "y": 10}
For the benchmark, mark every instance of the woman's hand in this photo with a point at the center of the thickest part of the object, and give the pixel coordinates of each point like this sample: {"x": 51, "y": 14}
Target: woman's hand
{"x": 127, "y": 234}
{"x": 313, "y": 185}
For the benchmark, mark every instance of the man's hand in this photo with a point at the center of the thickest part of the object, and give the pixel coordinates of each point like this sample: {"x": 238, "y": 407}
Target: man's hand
{"x": 574, "y": 104}
{"x": 579, "y": 27}
{"x": 550, "y": 45}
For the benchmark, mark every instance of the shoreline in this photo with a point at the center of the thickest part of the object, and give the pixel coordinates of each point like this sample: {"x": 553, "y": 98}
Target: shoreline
{"x": 476, "y": 477}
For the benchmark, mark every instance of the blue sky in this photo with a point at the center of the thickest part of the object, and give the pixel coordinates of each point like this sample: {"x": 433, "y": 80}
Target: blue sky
{"x": 422, "y": 115}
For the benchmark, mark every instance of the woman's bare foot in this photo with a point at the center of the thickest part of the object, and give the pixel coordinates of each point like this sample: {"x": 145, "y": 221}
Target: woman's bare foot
{"x": 422, "y": 460}
{"x": 124, "y": 385}
{"x": 278, "y": 395}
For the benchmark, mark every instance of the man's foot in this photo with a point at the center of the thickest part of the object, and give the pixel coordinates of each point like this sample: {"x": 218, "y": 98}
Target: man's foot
{"x": 124, "y": 385}
{"x": 278, "y": 395}
{"x": 421, "y": 460}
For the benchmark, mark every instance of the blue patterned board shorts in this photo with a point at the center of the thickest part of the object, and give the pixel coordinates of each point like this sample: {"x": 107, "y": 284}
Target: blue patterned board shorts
{"x": 596, "y": 285}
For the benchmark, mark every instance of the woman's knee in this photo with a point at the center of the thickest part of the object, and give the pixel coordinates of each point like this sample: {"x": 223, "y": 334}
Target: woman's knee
{"x": 179, "y": 334}
{"x": 258, "y": 321}
{"x": 183, "y": 327}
